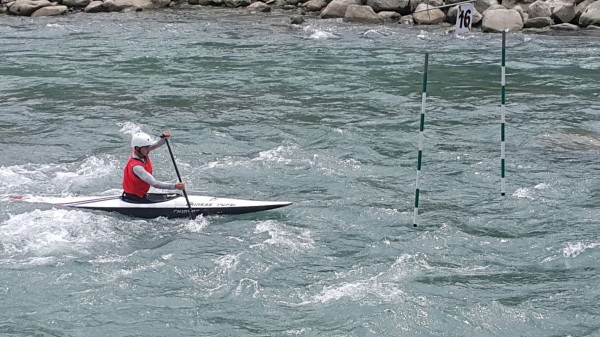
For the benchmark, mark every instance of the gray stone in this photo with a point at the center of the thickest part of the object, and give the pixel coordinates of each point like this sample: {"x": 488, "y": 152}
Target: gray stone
{"x": 538, "y": 23}
{"x": 361, "y": 14}
{"x": 591, "y": 15}
{"x": 27, "y": 7}
{"x": 427, "y": 15}
{"x": 50, "y": 11}
{"x": 337, "y": 8}
{"x": 498, "y": 20}
{"x": 94, "y": 7}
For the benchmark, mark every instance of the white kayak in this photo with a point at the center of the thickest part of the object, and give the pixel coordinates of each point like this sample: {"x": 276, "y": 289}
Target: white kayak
{"x": 169, "y": 205}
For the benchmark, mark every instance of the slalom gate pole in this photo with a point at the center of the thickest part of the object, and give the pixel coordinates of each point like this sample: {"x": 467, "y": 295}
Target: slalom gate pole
{"x": 502, "y": 118}
{"x": 421, "y": 129}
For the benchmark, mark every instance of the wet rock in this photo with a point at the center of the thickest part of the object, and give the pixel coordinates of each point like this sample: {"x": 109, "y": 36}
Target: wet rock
{"x": 538, "y": 22}
{"x": 362, "y": 14}
{"x": 337, "y": 8}
{"x": 498, "y": 20}
{"x": 427, "y": 15}
{"x": 27, "y": 7}
{"x": 591, "y": 15}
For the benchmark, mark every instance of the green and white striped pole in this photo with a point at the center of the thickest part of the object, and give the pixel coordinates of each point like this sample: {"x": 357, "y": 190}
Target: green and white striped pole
{"x": 502, "y": 118}
{"x": 421, "y": 128}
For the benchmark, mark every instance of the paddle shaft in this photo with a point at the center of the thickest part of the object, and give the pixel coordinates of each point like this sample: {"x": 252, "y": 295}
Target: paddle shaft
{"x": 179, "y": 177}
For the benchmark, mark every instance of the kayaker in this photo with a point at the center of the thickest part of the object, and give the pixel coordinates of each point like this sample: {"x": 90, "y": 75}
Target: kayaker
{"x": 137, "y": 175}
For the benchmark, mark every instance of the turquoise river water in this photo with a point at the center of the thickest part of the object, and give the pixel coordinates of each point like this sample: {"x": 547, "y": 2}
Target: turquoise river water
{"x": 324, "y": 115}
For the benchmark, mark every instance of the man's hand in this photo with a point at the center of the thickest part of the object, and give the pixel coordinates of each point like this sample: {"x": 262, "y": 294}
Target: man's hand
{"x": 180, "y": 186}
{"x": 165, "y": 134}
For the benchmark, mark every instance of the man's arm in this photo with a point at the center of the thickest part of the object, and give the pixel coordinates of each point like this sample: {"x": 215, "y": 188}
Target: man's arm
{"x": 139, "y": 171}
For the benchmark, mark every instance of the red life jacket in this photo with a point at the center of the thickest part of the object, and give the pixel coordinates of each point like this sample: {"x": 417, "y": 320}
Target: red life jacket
{"x": 132, "y": 184}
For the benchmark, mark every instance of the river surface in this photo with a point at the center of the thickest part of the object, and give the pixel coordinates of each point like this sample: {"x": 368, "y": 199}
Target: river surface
{"x": 325, "y": 115}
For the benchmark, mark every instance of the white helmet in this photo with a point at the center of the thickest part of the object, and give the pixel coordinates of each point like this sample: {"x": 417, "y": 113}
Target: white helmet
{"x": 141, "y": 139}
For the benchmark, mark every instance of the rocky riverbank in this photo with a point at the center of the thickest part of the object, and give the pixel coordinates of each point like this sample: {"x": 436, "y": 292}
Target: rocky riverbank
{"x": 489, "y": 15}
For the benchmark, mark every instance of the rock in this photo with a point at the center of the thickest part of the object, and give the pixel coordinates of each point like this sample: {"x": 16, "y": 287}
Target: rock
{"x": 482, "y": 5}
{"x": 94, "y": 7}
{"x": 259, "y": 7}
{"x": 400, "y": 6}
{"x": 538, "y": 23}
{"x": 236, "y": 3}
{"x": 120, "y": 5}
{"x": 76, "y": 3}
{"x": 361, "y": 14}
{"x": 524, "y": 15}
{"x": 564, "y": 12}
{"x": 407, "y": 20}
{"x": 564, "y": 27}
{"x": 389, "y": 16}
{"x": 315, "y": 5}
{"x": 27, "y": 7}
{"x": 296, "y": 20}
{"x": 337, "y": 8}
{"x": 539, "y": 9}
{"x": 427, "y": 15}
{"x": 493, "y": 7}
{"x": 201, "y": 2}
{"x": 433, "y": 3}
{"x": 498, "y": 20}
{"x": 50, "y": 11}
{"x": 591, "y": 15}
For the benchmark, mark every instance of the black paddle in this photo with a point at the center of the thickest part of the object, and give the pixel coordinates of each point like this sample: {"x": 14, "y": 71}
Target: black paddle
{"x": 179, "y": 177}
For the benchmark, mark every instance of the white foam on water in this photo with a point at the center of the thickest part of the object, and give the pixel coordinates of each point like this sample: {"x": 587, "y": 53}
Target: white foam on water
{"x": 53, "y": 233}
{"x": 384, "y": 286}
{"x": 278, "y": 154}
{"x": 575, "y": 249}
{"x": 247, "y": 285}
{"x": 129, "y": 128}
{"x": 280, "y": 235}
{"x": 355, "y": 290}
{"x": 318, "y": 34}
{"x": 56, "y": 178}
{"x": 228, "y": 261}
{"x": 523, "y": 193}
{"x": 196, "y": 225}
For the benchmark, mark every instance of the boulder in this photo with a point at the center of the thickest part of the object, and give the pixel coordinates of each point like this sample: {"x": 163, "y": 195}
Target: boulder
{"x": 498, "y": 20}
{"x": 591, "y": 15}
{"x": 337, "y": 8}
{"x": 75, "y": 3}
{"x": 94, "y": 7}
{"x": 27, "y": 7}
{"x": 565, "y": 27}
{"x": 50, "y": 11}
{"x": 433, "y": 3}
{"x": 315, "y": 5}
{"x": 539, "y": 9}
{"x": 259, "y": 7}
{"x": 407, "y": 20}
{"x": 236, "y": 3}
{"x": 361, "y": 14}
{"x": 427, "y": 15}
{"x": 400, "y": 6}
{"x": 389, "y": 16}
{"x": 538, "y": 22}
{"x": 564, "y": 12}
{"x": 482, "y": 5}
{"x": 201, "y": 2}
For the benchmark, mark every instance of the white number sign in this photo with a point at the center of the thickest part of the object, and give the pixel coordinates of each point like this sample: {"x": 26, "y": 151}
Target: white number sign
{"x": 464, "y": 18}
